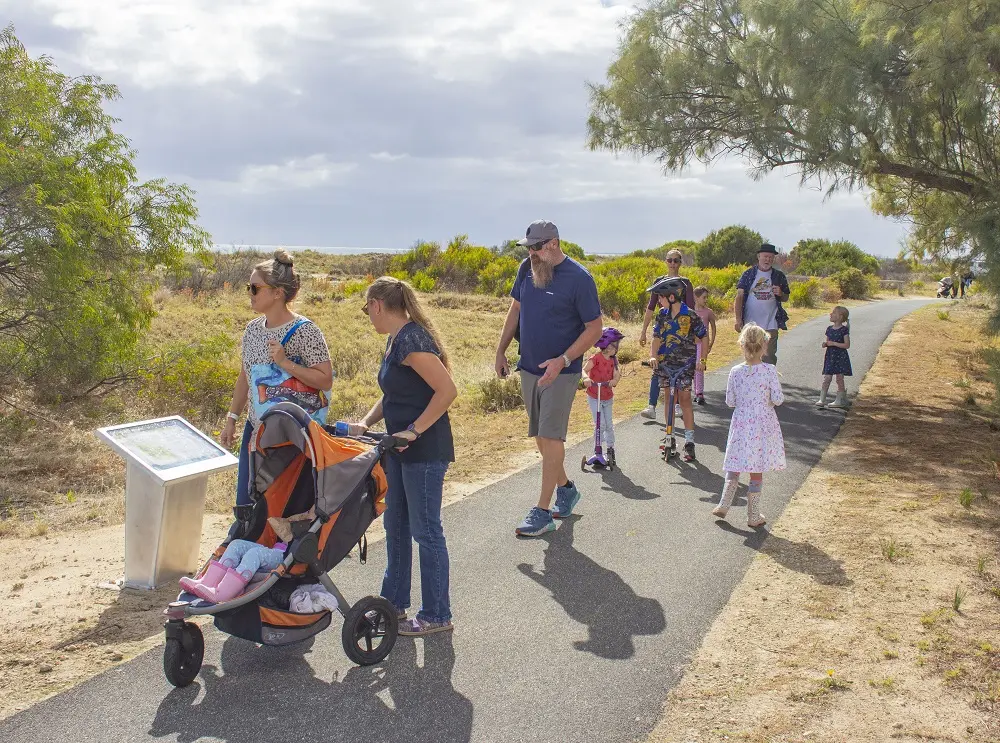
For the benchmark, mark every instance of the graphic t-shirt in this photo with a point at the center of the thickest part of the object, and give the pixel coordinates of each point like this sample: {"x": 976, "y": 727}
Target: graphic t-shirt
{"x": 761, "y": 305}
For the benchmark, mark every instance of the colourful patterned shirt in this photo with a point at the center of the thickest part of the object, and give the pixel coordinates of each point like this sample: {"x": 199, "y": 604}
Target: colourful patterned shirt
{"x": 677, "y": 337}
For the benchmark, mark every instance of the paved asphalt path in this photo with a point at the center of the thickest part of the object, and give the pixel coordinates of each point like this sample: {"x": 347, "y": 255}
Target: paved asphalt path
{"x": 577, "y": 636}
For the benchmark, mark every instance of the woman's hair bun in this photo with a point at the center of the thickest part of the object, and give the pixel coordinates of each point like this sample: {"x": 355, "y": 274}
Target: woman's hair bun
{"x": 283, "y": 257}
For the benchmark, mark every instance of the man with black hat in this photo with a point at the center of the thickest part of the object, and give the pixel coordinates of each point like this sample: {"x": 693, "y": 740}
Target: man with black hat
{"x": 759, "y": 294}
{"x": 555, "y": 306}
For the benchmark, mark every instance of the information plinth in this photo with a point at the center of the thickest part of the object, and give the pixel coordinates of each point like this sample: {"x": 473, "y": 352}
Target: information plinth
{"x": 168, "y": 462}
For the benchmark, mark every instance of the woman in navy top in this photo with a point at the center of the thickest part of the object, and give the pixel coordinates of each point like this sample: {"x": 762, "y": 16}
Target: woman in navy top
{"x": 417, "y": 388}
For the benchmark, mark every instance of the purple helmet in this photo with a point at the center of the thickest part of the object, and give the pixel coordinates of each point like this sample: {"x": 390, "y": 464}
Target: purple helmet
{"x": 609, "y": 336}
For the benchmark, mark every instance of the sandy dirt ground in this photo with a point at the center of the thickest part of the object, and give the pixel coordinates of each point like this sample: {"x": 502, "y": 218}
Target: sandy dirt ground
{"x": 871, "y": 612}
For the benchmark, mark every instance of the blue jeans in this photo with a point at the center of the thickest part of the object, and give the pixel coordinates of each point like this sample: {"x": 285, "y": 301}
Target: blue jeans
{"x": 413, "y": 512}
{"x": 654, "y": 390}
{"x": 243, "y": 472}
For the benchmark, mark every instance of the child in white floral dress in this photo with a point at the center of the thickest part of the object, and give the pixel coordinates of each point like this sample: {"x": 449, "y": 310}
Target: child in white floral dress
{"x": 755, "y": 444}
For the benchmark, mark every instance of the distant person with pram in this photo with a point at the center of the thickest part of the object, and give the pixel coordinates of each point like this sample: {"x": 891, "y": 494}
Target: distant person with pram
{"x": 946, "y": 286}
{"x": 677, "y": 334}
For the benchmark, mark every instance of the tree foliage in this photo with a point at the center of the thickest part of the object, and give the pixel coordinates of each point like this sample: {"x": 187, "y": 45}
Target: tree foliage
{"x": 78, "y": 230}
{"x": 899, "y": 96}
{"x": 817, "y": 257}
{"x": 733, "y": 245}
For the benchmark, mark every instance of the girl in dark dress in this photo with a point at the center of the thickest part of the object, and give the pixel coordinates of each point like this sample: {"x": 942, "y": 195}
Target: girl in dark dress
{"x": 837, "y": 362}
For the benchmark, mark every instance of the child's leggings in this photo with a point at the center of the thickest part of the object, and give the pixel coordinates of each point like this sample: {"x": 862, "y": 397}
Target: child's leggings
{"x": 699, "y": 375}
{"x": 249, "y": 557}
{"x": 607, "y": 421}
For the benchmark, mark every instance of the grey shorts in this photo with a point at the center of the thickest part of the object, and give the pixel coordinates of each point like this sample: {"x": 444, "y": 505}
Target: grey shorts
{"x": 549, "y": 407}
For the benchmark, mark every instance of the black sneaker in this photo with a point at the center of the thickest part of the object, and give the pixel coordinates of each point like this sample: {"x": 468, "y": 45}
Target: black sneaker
{"x": 700, "y": 399}
{"x": 689, "y": 452}
{"x": 611, "y": 456}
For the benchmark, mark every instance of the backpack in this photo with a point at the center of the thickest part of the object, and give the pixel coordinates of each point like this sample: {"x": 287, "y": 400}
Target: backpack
{"x": 270, "y": 384}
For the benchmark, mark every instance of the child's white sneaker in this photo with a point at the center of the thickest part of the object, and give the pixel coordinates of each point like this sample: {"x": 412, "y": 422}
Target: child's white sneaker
{"x": 649, "y": 412}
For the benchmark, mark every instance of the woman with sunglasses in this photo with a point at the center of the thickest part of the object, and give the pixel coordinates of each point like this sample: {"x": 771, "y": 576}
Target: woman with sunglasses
{"x": 273, "y": 285}
{"x": 674, "y": 260}
{"x": 417, "y": 389}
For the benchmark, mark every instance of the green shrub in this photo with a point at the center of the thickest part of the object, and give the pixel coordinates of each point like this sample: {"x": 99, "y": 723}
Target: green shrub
{"x": 497, "y": 278}
{"x": 685, "y": 246}
{"x": 417, "y": 258}
{"x": 730, "y": 245}
{"x": 805, "y": 293}
{"x": 817, "y": 257}
{"x": 423, "y": 282}
{"x": 499, "y": 395}
{"x": 829, "y": 291}
{"x": 622, "y": 282}
{"x": 573, "y": 250}
{"x": 193, "y": 379}
{"x": 459, "y": 266}
{"x": 854, "y": 284}
{"x": 918, "y": 284}
{"x": 353, "y": 287}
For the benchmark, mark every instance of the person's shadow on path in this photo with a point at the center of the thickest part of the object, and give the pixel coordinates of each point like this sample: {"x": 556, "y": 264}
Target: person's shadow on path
{"x": 596, "y": 597}
{"x": 617, "y": 482}
{"x": 269, "y": 693}
{"x": 801, "y": 557}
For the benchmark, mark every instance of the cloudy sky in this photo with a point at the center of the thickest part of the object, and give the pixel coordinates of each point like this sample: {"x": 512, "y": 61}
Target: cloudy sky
{"x": 373, "y": 123}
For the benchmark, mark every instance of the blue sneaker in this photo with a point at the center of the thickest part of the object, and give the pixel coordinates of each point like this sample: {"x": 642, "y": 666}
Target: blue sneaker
{"x": 536, "y": 523}
{"x": 567, "y": 497}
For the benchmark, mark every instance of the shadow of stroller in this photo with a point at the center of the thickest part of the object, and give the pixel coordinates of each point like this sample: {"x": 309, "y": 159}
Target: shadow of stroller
{"x": 798, "y": 556}
{"x": 273, "y": 693}
{"x": 595, "y": 596}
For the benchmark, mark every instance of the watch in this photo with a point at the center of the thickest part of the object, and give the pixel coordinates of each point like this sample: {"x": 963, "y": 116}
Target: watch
{"x": 232, "y": 415}
{"x": 413, "y": 430}
{"x": 566, "y": 361}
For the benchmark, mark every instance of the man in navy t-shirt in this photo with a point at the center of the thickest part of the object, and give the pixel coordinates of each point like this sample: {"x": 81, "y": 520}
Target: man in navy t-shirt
{"x": 556, "y": 309}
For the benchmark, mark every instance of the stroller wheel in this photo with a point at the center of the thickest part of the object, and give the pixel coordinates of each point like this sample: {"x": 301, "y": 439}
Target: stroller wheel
{"x": 370, "y": 629}
{"x": 183, "y": 653}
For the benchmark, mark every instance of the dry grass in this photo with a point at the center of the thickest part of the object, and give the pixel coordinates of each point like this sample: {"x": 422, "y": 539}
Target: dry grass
{"x": 919, "y": 631}
{"x": 35, "y": 482}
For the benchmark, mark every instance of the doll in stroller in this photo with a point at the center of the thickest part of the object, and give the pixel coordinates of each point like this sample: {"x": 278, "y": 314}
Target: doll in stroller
{"x": 298, "y": 467}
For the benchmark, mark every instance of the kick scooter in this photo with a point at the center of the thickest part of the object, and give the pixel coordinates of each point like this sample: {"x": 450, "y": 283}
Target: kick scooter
{"x": 599, "y": 460}
{"x": 669, "y": 445}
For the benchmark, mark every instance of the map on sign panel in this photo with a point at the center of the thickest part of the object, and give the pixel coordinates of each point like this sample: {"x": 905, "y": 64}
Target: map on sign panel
{"x": 163, "y": 445}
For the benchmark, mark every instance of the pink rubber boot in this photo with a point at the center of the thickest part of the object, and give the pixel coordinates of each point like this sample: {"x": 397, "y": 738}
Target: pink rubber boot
{"x": 231, "y": 586}
{"x": 213, "y": 574}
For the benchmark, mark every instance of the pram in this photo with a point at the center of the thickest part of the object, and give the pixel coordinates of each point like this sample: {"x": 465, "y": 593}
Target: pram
{"x": 298, "y": 464}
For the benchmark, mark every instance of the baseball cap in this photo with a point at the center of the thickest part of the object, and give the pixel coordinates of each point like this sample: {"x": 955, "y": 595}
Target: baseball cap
{"x": 539, "y": 231}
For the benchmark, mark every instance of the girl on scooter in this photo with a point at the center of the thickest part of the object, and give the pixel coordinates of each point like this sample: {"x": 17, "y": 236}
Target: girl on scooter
{"x": 603, "y": 367}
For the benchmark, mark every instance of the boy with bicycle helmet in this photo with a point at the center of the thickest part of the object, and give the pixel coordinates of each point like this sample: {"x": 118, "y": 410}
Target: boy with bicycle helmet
{"x": 677, "y": 333}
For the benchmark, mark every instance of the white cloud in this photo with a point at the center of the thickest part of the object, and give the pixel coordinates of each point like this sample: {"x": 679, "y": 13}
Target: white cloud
{"x": 315, "y": 171}
{"x": 155, "y": 42}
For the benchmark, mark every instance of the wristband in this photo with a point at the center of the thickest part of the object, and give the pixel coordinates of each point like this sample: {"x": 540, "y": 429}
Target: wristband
{"x": 232, "y": 416}
{"x": 566, "y": 361}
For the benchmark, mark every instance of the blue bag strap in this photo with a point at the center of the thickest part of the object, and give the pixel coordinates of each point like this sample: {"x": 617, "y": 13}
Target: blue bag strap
{"x": 291, "y": 331}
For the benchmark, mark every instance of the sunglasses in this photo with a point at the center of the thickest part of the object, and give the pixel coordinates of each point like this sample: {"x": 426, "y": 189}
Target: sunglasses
{"x": 673, "y": 260}
{"x": 537, "y": 246}
{"x": 364, "y": 307}
{"x": 254, "y": 288}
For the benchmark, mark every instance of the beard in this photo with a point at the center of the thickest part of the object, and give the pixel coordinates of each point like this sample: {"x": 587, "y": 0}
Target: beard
{"x": 541, "y": 272}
